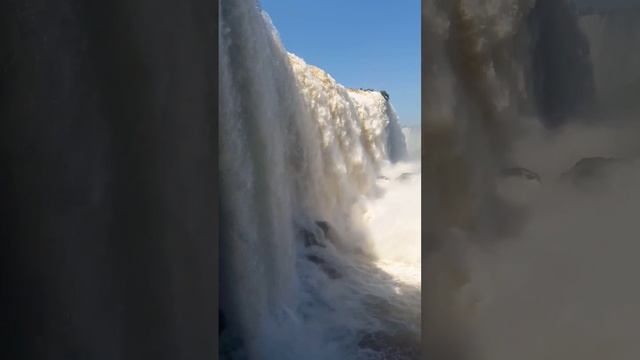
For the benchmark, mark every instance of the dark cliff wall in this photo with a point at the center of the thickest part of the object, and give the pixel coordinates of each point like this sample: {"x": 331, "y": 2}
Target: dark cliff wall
{"x": 108, "y": 166}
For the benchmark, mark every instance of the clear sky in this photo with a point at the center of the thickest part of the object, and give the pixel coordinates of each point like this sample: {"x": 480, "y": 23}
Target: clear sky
{"x": 361, "y": 43}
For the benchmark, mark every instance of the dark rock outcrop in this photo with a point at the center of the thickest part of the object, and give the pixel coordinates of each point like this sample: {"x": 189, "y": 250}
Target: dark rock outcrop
{"x": 384, "y": 93}
{"x": 399, "y": 346}
{"x": 326, "y": 229}
{"x": 313, "y": 238}
{"x": 521, "y": 173}
{"x": 310, "y": 239}
{"x": 589, "y": 170}
{"x": 331, "y": 272}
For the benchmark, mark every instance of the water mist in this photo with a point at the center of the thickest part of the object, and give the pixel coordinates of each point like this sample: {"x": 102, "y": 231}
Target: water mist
{"x": 531, "y": 169}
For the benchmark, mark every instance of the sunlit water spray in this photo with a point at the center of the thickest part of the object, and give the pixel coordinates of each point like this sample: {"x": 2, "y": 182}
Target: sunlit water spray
{"x": 393, "y": 221}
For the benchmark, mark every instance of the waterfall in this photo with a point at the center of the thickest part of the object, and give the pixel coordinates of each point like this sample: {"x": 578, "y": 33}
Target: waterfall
{"x": 299, "y": 154}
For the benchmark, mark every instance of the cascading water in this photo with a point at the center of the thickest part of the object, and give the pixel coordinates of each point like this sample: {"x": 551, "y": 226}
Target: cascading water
{"x": 303, "y": 163}
{"x": 529, "y": 250}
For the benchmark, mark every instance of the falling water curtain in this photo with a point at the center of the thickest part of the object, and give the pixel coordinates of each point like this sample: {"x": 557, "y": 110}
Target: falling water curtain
{"x": 108, "y": 173}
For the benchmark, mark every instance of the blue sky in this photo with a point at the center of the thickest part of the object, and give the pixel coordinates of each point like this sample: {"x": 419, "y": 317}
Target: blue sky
{"x": 361, "y": 43}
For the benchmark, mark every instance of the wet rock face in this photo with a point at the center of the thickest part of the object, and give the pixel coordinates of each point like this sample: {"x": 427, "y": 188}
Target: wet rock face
{"x": 400, "y": 346}
{"x": 310, "y": 239}
{"x": 329, "y": 270}
{"x": 521, "y": 172}
{"x": 590, "y": 170}
{"x": 329, "y": 232}
{"x": 384, "y": 93}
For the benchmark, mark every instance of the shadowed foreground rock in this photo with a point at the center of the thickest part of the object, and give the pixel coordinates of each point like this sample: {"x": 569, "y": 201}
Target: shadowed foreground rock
{"x": 591, "y": 171}
{"x": 108, "y": 145}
